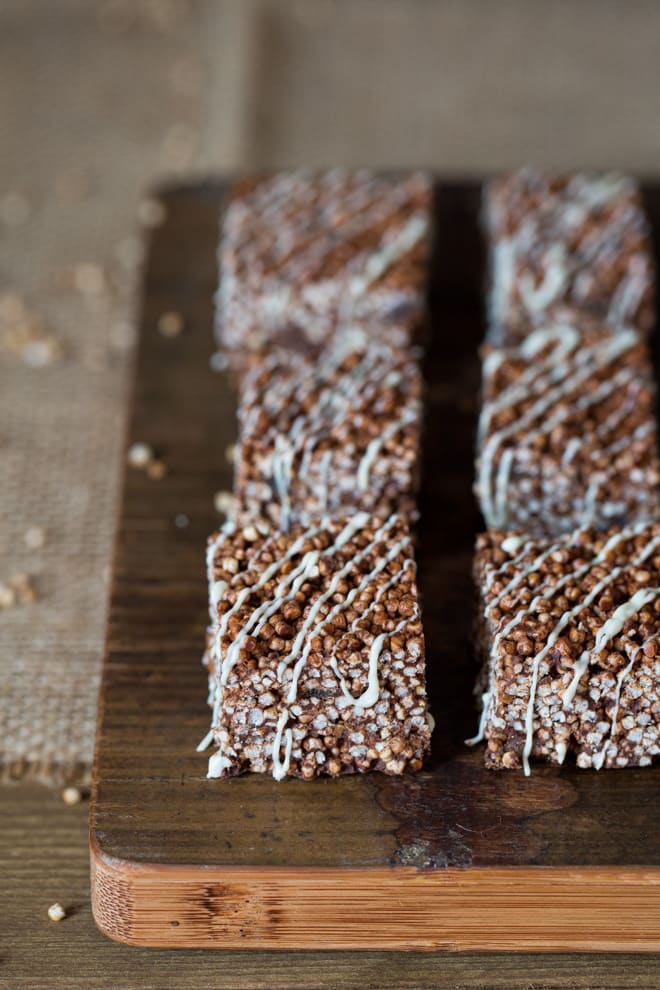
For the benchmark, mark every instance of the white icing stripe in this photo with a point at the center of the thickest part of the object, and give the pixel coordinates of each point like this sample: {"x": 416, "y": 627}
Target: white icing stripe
{"x": 492, "y": 485}
{"x": 560, "y": 626}
{"x": 364, "y": 205}
{"x": 370, "y": 695}
{"x": 611, "y": 628}
{"x": 304, "y": 636}
{"x": 294, "y": 580}
{"x": 485, "y": 702}
{"x": 502, "y": 478}
{"x": 539, "y": 298}
{"x": 308, "y": 406}
{"x": 400, "y": 243}
{"x": 307, "y": 634}
{"x": 206, "y": 741}
{"x": 281, "y": 767}
{"x": 490, "y": 696}
{"x": 290, "y": 583}
{"x": 346, "y": 534}
{"x": 600, "y": 757}
{"x": 267, "y": 546}
{"x": 374, "y": 448}
{"x": 343, "y": 207}
{"x": 535, "y": 238}
{"x": 566, "y": 339}
{"x": 568, "y": 540}
{"x": 361, "y": 617}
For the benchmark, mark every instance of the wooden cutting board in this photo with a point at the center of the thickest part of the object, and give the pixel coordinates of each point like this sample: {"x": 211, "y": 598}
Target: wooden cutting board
{"x": 455, "y": 857}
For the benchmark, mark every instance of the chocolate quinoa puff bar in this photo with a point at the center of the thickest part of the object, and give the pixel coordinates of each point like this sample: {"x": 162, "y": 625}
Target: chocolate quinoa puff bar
{"x": 317, "y": 651}
{"x": 321, "y": 435}
{"x": 303, "y": 254}
{"x": 578, "y": 240}
{"x": 567, "y": 433}
{"x": 571, "y": 636}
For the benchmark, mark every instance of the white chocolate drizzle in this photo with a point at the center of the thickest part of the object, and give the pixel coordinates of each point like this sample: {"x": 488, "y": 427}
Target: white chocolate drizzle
{"x": 280, "y": 767}
{"x": 312, "y": 625}
{"x": 553, "y": 384}
{"x": 303, "y": 641}
{"x": 483, "y": 720}
{"x": 600, "y": 757}
{"x": 312, "y": 457}
{"x": 312, "y": 215}
{"x": 608, "y": 631}
{"x": 557, "y": 248}
{"x": 373, "y": 689}
{"x": 374, "y": 448}
{"x": 556, "y": 632}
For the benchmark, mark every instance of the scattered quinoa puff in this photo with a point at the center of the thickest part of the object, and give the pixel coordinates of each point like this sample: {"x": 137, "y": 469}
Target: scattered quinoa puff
{"x": 567, "y": 433}
{"x": 304, "y": 254}
{"x": 329, "y": 433}
{"x": 139, "y": 456}
{"x": 577, "y": 240}
{"x": 71, "y": 796}
{"x": 570, "y": 632}
{"x": 316, "y": 650}
{"x": 56, "y": 912}
{"x": 170, "y": 324}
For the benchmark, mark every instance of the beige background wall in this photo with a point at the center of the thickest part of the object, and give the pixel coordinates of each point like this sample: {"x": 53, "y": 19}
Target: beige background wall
{"x": 98, "y": 100}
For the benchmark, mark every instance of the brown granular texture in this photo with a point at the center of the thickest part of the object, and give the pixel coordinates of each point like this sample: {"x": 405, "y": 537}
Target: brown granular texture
{"x": 323, "y": 434}
{"x": 571, "y": 636}
{"x": 303, "y": 624}
{"x": 578, "y": 240}
{"x": 304, "y": 254}
{"x": 567, "y": 433}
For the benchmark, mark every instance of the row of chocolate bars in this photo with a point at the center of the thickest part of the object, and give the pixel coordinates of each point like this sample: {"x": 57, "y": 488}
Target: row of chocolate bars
{"x": 315, "y": 649}
{"x": 568, "y": 573}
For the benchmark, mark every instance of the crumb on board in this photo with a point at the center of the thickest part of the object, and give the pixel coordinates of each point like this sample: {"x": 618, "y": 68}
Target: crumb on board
{"x": 156, "y": 470}
{"x": 170, "y": 324}
{"x": 140, "y": 455}
{"x": 35, "y": 537}
{"x": 56, "y": 912}
{"x": 71, "y": 796}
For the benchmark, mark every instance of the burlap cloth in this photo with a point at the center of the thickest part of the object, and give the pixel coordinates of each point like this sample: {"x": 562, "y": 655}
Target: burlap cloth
{"x": 96, "y": 101}
{"x": 99, "y": 100}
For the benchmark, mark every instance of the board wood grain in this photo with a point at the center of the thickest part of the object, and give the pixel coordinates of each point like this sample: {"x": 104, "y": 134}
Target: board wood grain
{"x": 455, "y": 857}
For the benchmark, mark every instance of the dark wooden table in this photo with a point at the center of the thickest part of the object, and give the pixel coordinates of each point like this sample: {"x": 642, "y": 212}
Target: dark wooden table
{"x": 44, "y": 857}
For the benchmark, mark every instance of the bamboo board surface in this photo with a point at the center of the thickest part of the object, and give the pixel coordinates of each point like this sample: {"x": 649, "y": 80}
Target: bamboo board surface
{"x": 455, "y": 857}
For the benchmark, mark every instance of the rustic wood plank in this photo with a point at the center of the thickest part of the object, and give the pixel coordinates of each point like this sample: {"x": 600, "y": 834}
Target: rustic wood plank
{"x": 575, "y": 854}
{"x": 44, "y": 857}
